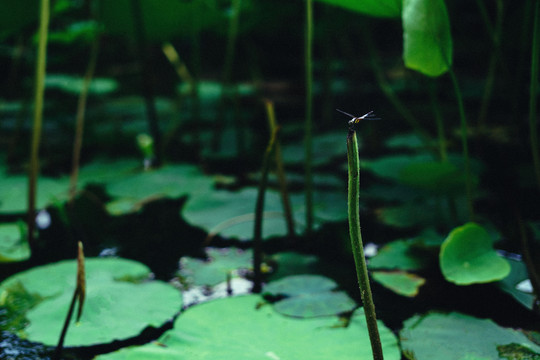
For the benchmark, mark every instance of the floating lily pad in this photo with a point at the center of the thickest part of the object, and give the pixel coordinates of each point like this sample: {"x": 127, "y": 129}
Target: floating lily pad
{"x": 116, "y": 307}
{"x": 326, "y": 148}
{"x": 14, "y": 194}
{"x": 13, "y": 242}
{"x": 220, "y": 263}
{"x": 467, "y": 257}
{"x": 231, "y": 214}
{"x": 171, "y": 181}
{"x": 74, "y": 85}
{"x": 457, "y": 336}
{"x": 325, "y": 303}
{"x": 299, "y": 285}
{"x": 292, "y": 263}
{"x": 400, "y": 282}
{"x": 400, "y": 254}
{"x": 235, "y": 328}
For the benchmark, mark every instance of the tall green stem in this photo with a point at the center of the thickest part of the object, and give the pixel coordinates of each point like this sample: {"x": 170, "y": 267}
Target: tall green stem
{"x": 38, "y": 116}
{"x": 533, "y": 92}
{"x": 309, "y": 110}
{"x": 464, "y": 144}
{"x": 358, "y": 247}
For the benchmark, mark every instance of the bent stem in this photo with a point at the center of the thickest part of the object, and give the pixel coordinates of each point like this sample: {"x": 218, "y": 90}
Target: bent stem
{"x": 357, "y": 246}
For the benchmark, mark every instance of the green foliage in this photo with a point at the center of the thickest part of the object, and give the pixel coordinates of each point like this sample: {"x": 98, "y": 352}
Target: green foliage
{"x": 161, "y": 20}
{"x": 384, "y": 8}
{"x": 13, "y": 242}
{"x": 427, "y": 42}
{"x": 115, "y": 293}
{"x": 74, "y": 85}
{"x": 456, "y": 336}
{"x": 467, "y": 257}
{"x": 300, "y": 284}
{"x": 220, "y": 264}
{"x": 400, "y": 282}
{"x": 236, "y": 328}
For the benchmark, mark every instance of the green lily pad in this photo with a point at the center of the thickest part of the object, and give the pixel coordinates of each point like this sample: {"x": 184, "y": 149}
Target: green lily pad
{"x": 326, "y": 148}
{"x": 220, "y": 263}
{"x": 400, "y": 282}
{"x": 427, "y": 41}
{"x": 292, "y": 263}
{"x": 14, "y": 195}
{"x": 467, "y": 257}
{"x": 115, "y": 306}
{"x": 457, "y": 336}
{"x": 326, "y": 303}
{"x": 237, "y": 328}
{"x": 74, "y": 85}
{"x": 399, "y": 254}
{"x": 300, "y": 285}
{"x": 13, "y": 242}
{"x": 231, "y": 214}
{"x": 171, "y": 181}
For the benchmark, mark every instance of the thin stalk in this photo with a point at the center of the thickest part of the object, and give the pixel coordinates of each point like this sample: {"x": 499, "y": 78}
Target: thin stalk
{"x": 38, "y": 115}
{"x": 147, "y": 81}
{"x": 232, "y": 37}
{"x": 259, "y": 206}
{"x": 464, "y": 144}
{"x": 533, "y": 92}
{"x": 358, "y": 247}
{"x": 439, "y": 121}
{"x": 79, "y": 295}
{"x": 79, "y": 122}
{"x": 280, "y": 171}
{"x": 308, "y": 125}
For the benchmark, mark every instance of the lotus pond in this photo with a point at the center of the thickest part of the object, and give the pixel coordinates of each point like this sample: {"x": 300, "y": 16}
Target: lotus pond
{"x": 176, "y": 183}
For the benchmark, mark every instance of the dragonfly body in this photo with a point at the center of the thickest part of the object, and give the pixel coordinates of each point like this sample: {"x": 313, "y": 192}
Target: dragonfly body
{"x": 356, "y": 119}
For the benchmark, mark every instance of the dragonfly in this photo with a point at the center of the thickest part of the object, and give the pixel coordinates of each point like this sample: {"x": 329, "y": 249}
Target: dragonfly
{"x": 356, "y": 119}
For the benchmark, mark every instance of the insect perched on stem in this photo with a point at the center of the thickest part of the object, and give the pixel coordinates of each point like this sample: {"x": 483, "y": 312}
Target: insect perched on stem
{"x": 356, "y": 119}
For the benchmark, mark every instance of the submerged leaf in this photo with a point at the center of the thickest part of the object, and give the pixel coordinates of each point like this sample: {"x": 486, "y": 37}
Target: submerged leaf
{"x": 400, "y": 282}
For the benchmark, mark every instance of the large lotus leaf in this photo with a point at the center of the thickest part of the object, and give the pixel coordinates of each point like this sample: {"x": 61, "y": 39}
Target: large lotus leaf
{"x": 13, "y": 242}
{"x": 510, "y": 284}
{"x": 112, "y": 311}
{"x": 383, "y": 8}
{"x": 115, "y": 306}
{"x": 162, "y": 19}
{"x": 390, "y": 166}
{"x": 171, "y": 180}
{"x": 400, "y": 282}
{"x": 399, "y": 254}
{"x": 467, "y": 257}
{"x": 427, "y": 42}
{"x": 14, "y": 194}
{"x": 457, "y": 336}
{"x": 220, "y": 263}
{"x": 237, "y": 328}
{"x": 300, "y": 285}
{"x": 231, "y": 214}
{"x": 325, "y": 303}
